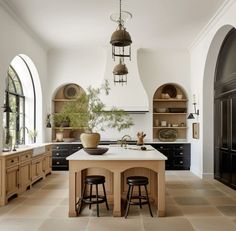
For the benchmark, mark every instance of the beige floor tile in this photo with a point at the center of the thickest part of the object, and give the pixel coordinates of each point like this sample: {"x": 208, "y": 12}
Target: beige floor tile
{"x": 55, "y": 186}
{"x": 115, "y": 224}
{"x": 191, "y": 201}
{"x": 167, "y": 224}
{"x": 228, "y": 210}
{"x": 209, "y": 192}
{"x": 221, "y": 200}
{"x": 200, "y": 211}
{"x": 182, "y": 192}
{"x": 173, "y": 211}
{"x": 43, "y": 201}
{"x": 72, "y": 224}
{"x": 59, "y": 212}
{"x": 28, "y": 211}
{"x": 214, "y": 224}
{"x": 59, "y": 193}
{"x": 19, "y": 224}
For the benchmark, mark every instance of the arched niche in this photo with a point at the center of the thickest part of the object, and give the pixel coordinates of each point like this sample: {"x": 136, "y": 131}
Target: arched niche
{"x": 62, "y": 96}
{"x": 170, "y": 110}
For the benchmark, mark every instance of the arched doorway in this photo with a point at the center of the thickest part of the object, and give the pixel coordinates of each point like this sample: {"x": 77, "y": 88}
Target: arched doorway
{"x": 208, "y": 102}
{"x": 225, "y": 112}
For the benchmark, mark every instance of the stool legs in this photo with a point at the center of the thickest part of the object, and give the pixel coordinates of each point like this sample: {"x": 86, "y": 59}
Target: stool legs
{"x": 130, "y": 191}
{"x": 97, "y": 200}
{"x": 139, "y": 193}
{"x": 105, "y": 195}
{"x": 96, "y": 197}
{"x": 140, "y": 197}
{"x": 90, "y": 193}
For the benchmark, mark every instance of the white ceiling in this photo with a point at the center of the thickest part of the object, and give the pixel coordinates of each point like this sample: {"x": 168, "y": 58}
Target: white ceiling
{"x": 76, "y": 23}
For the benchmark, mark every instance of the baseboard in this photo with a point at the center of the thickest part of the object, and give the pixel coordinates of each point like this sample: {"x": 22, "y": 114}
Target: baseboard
{"x": 208, "y": 176}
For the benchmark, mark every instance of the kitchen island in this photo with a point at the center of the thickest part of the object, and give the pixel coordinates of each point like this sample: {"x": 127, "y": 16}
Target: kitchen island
{"x": 117, "y": 160}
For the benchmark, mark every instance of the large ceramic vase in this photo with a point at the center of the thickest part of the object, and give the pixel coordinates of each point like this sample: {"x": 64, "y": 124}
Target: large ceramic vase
{"x": 90, "y": 140}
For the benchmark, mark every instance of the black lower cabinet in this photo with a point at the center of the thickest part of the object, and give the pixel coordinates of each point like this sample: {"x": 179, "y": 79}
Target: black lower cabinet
{"x": 59, "y": 154}
{"x": 178, "y": 155}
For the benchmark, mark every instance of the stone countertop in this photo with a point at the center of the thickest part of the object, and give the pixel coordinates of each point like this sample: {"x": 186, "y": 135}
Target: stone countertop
{"x": 120, "y": 153}
{"x": 114, "y": 141}
{"x": 23, "y": 148}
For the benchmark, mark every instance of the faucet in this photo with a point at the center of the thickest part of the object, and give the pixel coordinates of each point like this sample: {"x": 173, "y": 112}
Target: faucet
{"x": 23, "y": 128}
{"x": 123, "y": 141}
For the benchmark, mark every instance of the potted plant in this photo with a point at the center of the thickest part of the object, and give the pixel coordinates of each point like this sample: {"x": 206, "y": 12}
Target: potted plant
{"x": 89, "y": 112}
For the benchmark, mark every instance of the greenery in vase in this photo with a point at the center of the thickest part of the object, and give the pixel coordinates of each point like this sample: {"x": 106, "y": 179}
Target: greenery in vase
{"x": 88, "y": 111}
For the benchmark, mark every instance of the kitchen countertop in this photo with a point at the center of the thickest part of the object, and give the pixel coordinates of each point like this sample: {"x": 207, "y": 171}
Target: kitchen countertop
{"x": 23, "y": 149}
{"x": 114, "y": 141}
{"x": 120, "y": 153}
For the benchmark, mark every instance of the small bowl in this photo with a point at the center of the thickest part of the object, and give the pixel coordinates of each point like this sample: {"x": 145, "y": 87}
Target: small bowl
{"x": 96, "y": 151}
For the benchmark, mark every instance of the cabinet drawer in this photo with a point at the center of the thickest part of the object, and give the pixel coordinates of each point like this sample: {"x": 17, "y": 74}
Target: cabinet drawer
{"x": 179, "y": 153}
{"x": 25, "y": 156}
{"x": 11, "y": 161}
{"x": 60, "y": 153}
{"x": 179, "y": 161}
{"x": 60, "y": 147}
{"x": 59, "y": 161}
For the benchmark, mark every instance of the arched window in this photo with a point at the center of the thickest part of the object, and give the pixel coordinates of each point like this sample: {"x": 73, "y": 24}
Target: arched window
{"x": 15, "y": 100}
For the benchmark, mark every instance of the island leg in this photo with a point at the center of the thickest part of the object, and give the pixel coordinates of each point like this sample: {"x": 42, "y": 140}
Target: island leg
{"x": 161, "y": 190}
{"x": 117, "y": 194}
{"x": 72, "y": 193}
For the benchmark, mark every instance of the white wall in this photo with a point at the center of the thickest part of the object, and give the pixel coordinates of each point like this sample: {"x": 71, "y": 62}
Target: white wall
{"x": 203, "y": 60}
{"x": 87, "y": 67}
{"x": 159, "y": 67}
{"x": 13, "y": 41}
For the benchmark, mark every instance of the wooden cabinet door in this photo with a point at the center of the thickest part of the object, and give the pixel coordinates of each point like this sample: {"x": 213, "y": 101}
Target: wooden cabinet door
{"x": 47, "y": 164}
{"x": 25, "y": 175}
{"x": 12, "y": 180}
{"x": 37, "y": 169}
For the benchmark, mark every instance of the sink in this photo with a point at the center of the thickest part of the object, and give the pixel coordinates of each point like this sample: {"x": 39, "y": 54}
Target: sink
{"x": 37, "y": 148}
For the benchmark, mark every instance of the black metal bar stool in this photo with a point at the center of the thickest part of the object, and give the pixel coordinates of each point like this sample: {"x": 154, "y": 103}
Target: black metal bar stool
{"x": 93, "y": 199}
{"x": 142, "y": 199}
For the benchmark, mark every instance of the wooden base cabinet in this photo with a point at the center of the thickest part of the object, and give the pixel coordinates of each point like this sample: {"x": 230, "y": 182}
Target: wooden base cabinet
{"x": 19, "y": 170}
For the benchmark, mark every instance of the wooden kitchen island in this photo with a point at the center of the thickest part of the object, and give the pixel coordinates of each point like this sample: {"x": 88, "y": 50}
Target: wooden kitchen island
{"x": 118, "y": 160}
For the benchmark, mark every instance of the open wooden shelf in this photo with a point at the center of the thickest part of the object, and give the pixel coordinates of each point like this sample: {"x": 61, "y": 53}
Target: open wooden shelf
{"x": 170, "y": 117}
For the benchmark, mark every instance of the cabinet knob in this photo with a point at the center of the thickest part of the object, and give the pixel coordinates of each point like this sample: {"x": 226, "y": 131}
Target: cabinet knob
{"x": 12, "y": 161}
{"x": 57, "y": 154}
{"x": 58, "y": 162}
{"x": 181, "y": 147}
{"x": 58, "y": 147}
{"x": 181, "y": 153}
{"x": 26, "y": 156}
{"x": 181, "y": 162}
{"x": 161, "y": 147}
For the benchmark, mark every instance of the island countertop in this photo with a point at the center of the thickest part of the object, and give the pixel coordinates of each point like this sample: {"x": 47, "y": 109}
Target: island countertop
{"x": 131, "y": 152}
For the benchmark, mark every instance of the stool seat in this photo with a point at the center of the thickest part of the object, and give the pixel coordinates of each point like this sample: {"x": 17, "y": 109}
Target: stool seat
{"x": 94, "y": 179}
{"x": 137, "y": 180}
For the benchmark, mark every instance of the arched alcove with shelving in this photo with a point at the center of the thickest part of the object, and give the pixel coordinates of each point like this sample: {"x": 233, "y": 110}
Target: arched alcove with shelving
{"x": 170, "y": 112}
{"x": 63, "y": 96}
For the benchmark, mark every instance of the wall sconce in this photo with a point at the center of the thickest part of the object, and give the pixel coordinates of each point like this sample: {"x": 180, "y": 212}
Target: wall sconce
{"x": 196, "y": 111}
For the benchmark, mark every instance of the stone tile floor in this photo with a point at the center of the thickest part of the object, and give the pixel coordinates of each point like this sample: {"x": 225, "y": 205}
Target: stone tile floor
{"x": 191, "y": 203}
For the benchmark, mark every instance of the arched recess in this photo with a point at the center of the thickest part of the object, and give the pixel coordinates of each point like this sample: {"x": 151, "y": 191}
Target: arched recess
{"x": 170, "y": 108}
{"x": 208, "y": 100}
{"x": 29, "y": 78}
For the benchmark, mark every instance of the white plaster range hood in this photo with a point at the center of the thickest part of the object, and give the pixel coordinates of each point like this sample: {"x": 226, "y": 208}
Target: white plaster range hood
{"x": 130, "y": 97}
